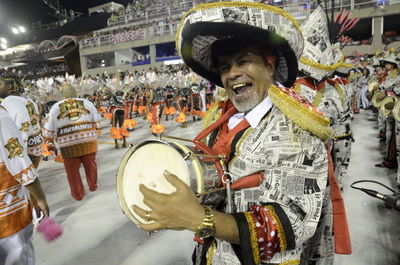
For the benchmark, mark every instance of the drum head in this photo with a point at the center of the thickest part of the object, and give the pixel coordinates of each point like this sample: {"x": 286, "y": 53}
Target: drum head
{"x": 145, "y": 164}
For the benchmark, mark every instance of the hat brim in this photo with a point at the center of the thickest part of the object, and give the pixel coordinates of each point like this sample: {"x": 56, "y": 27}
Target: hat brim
{"x": 376, "y": 101}
{"x": 207, "y": 23}
{"x": 223, "y": 31}
{"x": 394, "y": 62}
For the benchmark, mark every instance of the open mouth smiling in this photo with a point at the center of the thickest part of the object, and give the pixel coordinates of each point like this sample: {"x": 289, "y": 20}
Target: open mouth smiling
{"x": 241, "y": 88}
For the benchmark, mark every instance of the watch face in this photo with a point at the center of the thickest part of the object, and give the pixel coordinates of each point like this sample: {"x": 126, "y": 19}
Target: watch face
{"x": 205, "y": 232}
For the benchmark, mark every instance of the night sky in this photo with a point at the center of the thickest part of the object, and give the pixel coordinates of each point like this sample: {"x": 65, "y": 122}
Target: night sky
{"x": 24, "y": 12}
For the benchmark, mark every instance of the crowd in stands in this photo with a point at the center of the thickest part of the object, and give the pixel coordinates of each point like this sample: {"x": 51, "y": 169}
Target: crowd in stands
{"x": 27, "y": 71}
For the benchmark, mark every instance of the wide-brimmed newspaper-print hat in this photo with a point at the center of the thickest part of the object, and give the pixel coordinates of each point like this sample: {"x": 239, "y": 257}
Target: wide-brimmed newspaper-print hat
{"x": 390, "y": 58}
{"x": 206, "y": 24}
{"x": 320, "y": 58}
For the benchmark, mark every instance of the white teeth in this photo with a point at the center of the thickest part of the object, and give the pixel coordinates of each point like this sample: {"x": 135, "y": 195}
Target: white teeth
{"x": 238, "y": 86}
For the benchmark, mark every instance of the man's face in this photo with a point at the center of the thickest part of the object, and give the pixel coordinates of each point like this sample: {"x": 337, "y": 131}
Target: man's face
{"x": 246, "y": 77}
{"x": 389, "y": 66}
{"x": 4, "y": 92}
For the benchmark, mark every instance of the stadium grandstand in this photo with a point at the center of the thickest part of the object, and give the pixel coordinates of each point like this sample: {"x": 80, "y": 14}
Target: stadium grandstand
{"x": 141, "y": 34}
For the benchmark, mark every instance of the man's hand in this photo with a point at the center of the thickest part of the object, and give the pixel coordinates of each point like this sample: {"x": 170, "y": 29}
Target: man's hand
{"x": 177, "y": 211}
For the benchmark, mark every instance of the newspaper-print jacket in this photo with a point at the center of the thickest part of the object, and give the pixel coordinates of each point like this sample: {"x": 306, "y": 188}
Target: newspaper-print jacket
{"x": 278, "y": 217}
{"x": 74, "y": 121}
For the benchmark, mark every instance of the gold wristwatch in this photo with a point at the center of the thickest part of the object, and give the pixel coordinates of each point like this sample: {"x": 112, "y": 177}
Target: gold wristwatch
{"x": 207, "y": 227}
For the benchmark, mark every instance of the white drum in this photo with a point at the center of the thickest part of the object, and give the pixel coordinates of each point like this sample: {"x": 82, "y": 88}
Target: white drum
{"x": 145, "y": 164}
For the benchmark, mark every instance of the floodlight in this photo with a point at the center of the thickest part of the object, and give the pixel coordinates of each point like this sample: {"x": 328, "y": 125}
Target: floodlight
{"x": 15, "y": 30}
{"x": 3, "y": 46}
{"x": 21, "y": 29}
{"x": 3, "y": 40}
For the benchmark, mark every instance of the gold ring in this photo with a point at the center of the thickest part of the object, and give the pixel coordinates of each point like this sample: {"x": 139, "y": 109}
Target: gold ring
{"x": 148, "y": 217}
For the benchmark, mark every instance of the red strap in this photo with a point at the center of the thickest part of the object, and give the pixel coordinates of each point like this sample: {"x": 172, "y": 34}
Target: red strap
{"x": 344, "y": 81}
{"x": 223, "y": 143}
{"x": 331, "y": 81}
{"x": 340, "y": 226}
{"x": 226, "y": 114}
{"x": 307, "y": 82}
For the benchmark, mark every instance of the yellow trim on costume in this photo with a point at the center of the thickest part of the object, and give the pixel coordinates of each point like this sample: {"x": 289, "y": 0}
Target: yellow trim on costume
{"x": 291, "y": 262}
{"x": 340, "y": 91}
{"x": 282, "y": 236}
{"x": 272, "y": 9}
{"x": 211, "y": 252}
{"x": 318, "y": 97}
{"x": 209, "y": 116}
{"x": 323, "y": 66}
{"x": 248, "y": 131}
{"x": 297, "y": 88}
{"x": 300, "y": 114}
{"x": 253, "y": 238}
{"x": 347, "y": 65}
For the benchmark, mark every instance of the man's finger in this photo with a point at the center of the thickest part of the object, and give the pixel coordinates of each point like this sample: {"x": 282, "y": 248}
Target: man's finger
{"x": 151, "y": 226}
{"x": 175, "y": 181}
{"x": 151, "y": 194}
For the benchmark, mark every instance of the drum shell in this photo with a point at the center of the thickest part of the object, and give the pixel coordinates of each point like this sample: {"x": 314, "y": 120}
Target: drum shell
{"x": 202, "y": 175}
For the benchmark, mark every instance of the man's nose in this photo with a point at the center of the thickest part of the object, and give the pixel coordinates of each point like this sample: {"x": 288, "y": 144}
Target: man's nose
{"x": 234, "y": 72}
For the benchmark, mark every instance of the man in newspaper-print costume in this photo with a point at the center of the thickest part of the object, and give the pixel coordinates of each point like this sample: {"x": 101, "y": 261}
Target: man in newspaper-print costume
{"x": 387, "y": 85}
{"x": 74, "y": 122}
{"x": 325, "y": 93}
{"x": 273, "y": 141}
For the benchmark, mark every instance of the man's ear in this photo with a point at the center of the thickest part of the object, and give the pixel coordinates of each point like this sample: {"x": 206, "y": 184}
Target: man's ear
{"x": 270, "y": 63}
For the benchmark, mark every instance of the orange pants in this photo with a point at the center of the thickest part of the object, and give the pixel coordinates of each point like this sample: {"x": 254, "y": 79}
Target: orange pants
{"x": 72, "y": 166}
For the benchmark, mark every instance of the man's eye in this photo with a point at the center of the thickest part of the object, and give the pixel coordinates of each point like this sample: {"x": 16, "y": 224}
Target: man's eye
{"x": 223, "y": 69}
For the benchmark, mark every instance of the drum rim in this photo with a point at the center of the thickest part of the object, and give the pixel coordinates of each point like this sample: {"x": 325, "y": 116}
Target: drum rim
{"x": 121, "y": 170}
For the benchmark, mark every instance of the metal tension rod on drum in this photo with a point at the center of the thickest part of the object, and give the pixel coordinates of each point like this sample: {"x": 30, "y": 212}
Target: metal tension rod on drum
{"x": 192, "y": 154}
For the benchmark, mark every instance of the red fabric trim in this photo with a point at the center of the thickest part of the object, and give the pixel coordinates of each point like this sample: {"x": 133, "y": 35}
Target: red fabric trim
{"x": 340, "y": 226}
{"x": 268, "y": 237}
{"x": 308, "y": 82}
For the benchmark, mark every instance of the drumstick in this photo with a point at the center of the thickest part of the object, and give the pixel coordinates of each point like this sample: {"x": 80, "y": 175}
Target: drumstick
{"x": 210, "y": 191}
{"x": 178, "y": 138}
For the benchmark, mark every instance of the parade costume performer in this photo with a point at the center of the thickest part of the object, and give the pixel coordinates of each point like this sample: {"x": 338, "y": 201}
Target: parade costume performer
{"x": 319, "y": 61}
{"x": 344, "y": 142}
{"x": 396, "y": 116}
{"x": 390, "y": 160}
{"x": 210, "y": 100}
{"x": 196, "y": 102}
{"x": 74, "y": 122}
{"x": 353, "y": 78}
{"x": 273, "y": 140}
{"x": 170, "y": 95}
{"x": 129, "y": 122}
{"x": 142, "y": 101}
{"x": 118, "y": 111}
{"x": 19, "y": 181}
{"x": 25, "y": 114}
{"x": 182, "y": 99}
{"x": 158, "y": 105}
